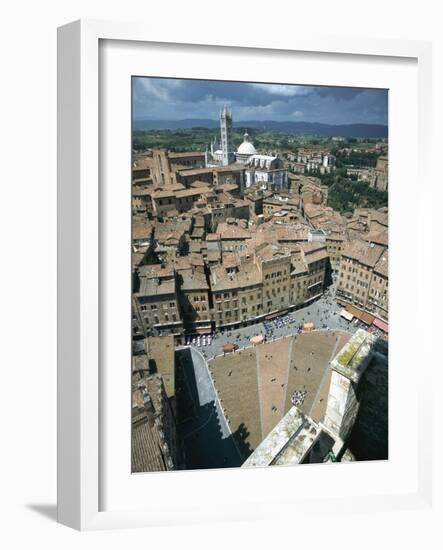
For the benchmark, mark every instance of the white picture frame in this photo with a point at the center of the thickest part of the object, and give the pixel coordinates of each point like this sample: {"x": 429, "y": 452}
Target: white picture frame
{"x": 80, "y": 262}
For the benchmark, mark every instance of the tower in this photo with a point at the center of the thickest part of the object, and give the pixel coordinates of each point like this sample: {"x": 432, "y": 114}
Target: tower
{"x": 226, "y": 136}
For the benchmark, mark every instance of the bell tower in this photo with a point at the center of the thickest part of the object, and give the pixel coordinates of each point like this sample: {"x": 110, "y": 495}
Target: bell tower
{"x": 226, "y": 136}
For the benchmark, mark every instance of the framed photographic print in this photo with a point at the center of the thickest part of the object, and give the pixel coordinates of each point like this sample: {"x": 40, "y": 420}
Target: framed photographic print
{"x": 231, "y": 326}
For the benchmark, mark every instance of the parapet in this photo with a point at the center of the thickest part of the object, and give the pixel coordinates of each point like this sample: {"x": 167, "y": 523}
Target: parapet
{"x": 288, "y": 443}
{"x": 354, "y": 357}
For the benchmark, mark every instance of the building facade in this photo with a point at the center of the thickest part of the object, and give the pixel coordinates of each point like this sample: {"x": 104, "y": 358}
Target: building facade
{"x": 363, "y": 277}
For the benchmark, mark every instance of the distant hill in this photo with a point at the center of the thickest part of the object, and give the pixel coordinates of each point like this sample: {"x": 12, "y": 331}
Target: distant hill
{"x": 288, "y": 126}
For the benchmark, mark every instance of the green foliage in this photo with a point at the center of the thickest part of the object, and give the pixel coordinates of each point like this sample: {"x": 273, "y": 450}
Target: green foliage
{"x": 197, "y": 139}
{"x": 332, "y": 177}
{"x": 192, "y": 139}
{"x": 359, "y": 159}
{"x": 345, "y": 195}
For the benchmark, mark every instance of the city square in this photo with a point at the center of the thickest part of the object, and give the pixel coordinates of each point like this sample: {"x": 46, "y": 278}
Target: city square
{"x": 260, "y": 288}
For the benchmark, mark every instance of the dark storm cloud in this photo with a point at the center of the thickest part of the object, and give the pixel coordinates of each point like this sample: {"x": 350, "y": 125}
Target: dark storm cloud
{"x": 155, "y": 98}
{"x": 343, "y": 94}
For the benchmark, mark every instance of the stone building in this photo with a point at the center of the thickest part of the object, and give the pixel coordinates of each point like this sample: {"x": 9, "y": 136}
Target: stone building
{"x": 335, "y": 242}
{"x": 142, "y": 201}
{"x": 221, "y": 209}
{"x": 377, "y": 301}
{"x": 380, "y": 179}
{"x": 231, "y": 174}
{"x": 186, "y": 198}
{"x": 315, "y": 256}
{"x": 274, "y": 263}
{"x": 308, "y": 273}
{"x": 274, "y": 204}
{"x": 141, "y": 168}
{"x": 363, "y": 277}
{"x": 161, "y": 170}
{"x": 236, "y": 292}
{"x": 188, "y": 159}
{"x": 194, "y": 301}
{"x": 164, "y": 203}
{"x": 155, "y": 445}
{"x": 156, "y": 310}
{"x": 189, "y": 176}
{"x": 233, "y": 235}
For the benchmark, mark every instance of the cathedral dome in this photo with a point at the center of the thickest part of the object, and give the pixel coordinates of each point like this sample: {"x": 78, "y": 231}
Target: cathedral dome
{"x": 246, "y": 148}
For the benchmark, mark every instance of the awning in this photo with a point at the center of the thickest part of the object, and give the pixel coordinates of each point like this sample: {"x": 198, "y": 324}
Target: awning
{"x": 364, "y": 316}
{"x": 227, "y": 348}
{"x": 381, "y": 325}
{"x": 203, "y": 330}
{"x": 257, "y": 339}
{"x": 307, "y": 327}
{"x": 273, "y": 315}
{"x": 367, "y": 318}
{"x": 353, "y": 310}
{"x": 348, "y": 316}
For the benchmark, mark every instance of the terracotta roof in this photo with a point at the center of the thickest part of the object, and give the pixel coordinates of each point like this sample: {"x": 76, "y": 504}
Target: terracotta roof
{"x": 154, "y": 287}
{"x": 382, "y": 266}
{"x": 232, "y": 231}
{"x": 156, "y": 271}
{"x": 187, "y": 154}
{"x": 189, "y": 193}
{"x": 377, "y": 237}
{"x": 141, "y": 231}
{"x": 364, "y": 252}
{"x": 248, "y": 275}
{"x": 193, "y": 280}
{"x": 195, "y": 171}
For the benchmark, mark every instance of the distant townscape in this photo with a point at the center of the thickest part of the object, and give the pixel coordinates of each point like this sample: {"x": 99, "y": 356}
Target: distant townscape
{"x": 260, "y": 298}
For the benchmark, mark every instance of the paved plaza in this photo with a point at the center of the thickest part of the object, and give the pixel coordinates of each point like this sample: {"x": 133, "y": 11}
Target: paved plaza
{"x": 324, "y": 313}
{"x": 233, "y": 401}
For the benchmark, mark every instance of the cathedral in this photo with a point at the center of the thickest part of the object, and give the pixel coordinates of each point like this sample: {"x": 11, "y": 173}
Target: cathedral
{"x": 265, "y": 170}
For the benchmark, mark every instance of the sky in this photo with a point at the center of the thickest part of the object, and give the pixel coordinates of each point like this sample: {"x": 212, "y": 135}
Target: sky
{"x": 176, "y": 99}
